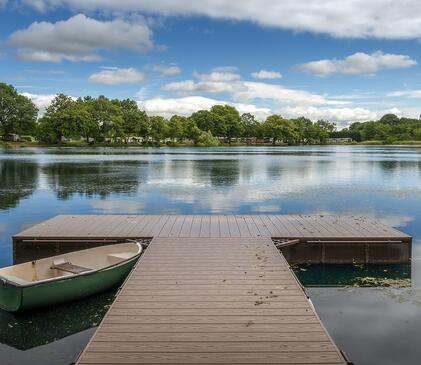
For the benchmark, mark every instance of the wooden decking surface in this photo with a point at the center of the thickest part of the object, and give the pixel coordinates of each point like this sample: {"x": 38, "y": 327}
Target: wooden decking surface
{"x": 286, "y": 226}
{"x": 211, "y": 301}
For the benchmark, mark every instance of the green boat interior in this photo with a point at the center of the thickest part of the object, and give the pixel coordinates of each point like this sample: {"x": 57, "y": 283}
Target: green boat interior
{"x": 70, "y": 264}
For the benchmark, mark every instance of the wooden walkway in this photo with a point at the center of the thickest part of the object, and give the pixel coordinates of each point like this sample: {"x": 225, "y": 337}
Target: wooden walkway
{"x": 305, "y": 227}
{"x": 210, "y": 301}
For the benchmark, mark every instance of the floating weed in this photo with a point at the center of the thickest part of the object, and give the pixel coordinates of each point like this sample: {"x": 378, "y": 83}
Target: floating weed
{"x": 357, "y": 264}
{"x": 381, "y": 282}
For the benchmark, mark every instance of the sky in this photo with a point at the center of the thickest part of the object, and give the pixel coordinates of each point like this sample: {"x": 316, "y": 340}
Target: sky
{"x": 342, "y": 61}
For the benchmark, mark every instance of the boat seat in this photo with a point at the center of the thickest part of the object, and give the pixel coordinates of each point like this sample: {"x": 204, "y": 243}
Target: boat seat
{"x": 68, "y": 267}
{"x": 121, "y": 255}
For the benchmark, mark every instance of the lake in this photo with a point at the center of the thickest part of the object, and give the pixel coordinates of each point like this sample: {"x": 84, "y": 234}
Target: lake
{"x": 372, "y": 325}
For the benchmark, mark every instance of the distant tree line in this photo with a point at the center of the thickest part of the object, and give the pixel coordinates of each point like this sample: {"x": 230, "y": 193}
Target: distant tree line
{"x": 390, "y": 128}
{"x": 99, "y": 120}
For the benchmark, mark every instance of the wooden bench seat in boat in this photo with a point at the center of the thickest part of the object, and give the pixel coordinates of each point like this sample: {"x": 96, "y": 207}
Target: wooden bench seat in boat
{"x": 115, "y": 258}
{"x": 121, "y": 255}
{"x": 69, "y": 267}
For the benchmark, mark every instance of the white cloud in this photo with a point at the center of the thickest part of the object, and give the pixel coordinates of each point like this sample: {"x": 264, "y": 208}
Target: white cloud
{"x": 3, "y": 3}
{"x": 264, "y": 74}
{"x": 415, "y": 94}
{"x": 42, "y": 101}
{"x": 118, "y": 76}
{"x": 79, "y": 38}
{"x": 166, "y": 70}
{"x": 218, "y": 76}
{"x": 167, "y": 107}
{"x": 50, "y": 72}
{"x": 394, "y": 110}
{"x": 191, "y": 86}
{"x": 277, "y": 93}
{"x": 358, "y": 63}
{"x": 245, "y": 91}
{"x": 342, "y": 116}
{"x": 225, "y": 69}
{"x": 385, "y": 19}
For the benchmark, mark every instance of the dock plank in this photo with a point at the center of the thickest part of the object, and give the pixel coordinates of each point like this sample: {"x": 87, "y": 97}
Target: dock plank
{"x": 223, "y": 226}
{"x": 195, "y": 228}
{"x": 187, "y": 226}
{"x": 328, "y": 357}
{"x": 205, "y": 226}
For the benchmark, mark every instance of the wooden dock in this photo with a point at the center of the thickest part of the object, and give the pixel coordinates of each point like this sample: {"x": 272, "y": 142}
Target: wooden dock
{"x": 323, "y": 239}
{"x": 214, "y": 289}
{"x": 211, "y": 301}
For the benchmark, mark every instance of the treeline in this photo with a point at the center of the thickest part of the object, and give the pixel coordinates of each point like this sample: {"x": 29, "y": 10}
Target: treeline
{"x": 102, "y": 120}
{"x": 388, "y": 129}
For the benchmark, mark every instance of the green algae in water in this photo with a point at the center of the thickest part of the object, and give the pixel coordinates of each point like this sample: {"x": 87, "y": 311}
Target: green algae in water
{"x": 341, "y": 275}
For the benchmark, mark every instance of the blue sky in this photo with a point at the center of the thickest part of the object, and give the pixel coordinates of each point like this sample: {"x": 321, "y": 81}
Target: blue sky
{"x": 314, "y": 58}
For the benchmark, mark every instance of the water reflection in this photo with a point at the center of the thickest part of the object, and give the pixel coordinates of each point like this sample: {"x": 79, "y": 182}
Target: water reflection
{"x": 394, "y": 166}
{"x": 18, "y": 180}
{"x": 372, "y": 325}
{"x": 231, "y": 180}
{"x": 26, "y": 330}
{"x": 93, "y": 179}
{"x": 219, "y": 173}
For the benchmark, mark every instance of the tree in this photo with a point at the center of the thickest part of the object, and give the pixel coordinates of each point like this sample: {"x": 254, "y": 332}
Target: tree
{"x": 324, "y": 129}
{"x": 175, "y": 127}
{"x": 306, "y": 130}
{"x": 280, "y": 129}
{"x": 45, "y": 131}
{"x": 251, "y": 127}
{"x": 203, "y": 120}
{"x": 18, "y": 113}
{"x": 85, "y": 122}
{"x": 206, "y": 139}
{"x": 158, "y": 128}
{"x": 191, "y": 130}
{"x": 107, "y": 117}
{"x": 117, "y": 128}
{"x": 417, "y": 134}
{"x": 58, "y": 121}
{"x": 135, "y": 121}
{"x": 389, "y": 119}
{"x": 227, "y": 122}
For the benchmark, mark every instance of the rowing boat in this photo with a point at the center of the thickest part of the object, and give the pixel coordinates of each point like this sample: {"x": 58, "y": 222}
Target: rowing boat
{"x": 66, "y": 277}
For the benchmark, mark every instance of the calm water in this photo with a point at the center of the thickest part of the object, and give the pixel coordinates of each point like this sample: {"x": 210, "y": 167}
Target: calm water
{"x": 372, "y": 325}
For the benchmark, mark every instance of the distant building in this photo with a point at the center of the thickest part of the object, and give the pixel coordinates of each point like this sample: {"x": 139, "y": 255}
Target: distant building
{"x": 339, "y": 140}
{"x": 11, "y": 137}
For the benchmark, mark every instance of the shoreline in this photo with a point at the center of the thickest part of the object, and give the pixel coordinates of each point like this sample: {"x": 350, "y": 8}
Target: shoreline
{"x": 7, "y": 144}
